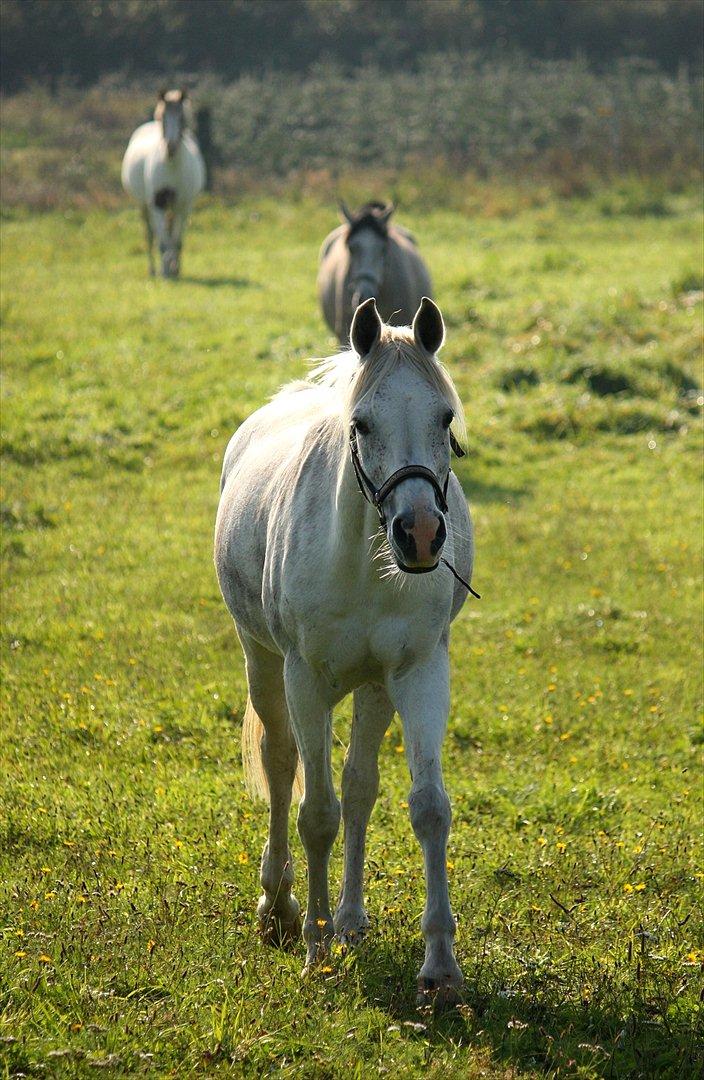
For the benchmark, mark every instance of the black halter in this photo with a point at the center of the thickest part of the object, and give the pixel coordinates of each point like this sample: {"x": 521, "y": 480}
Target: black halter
{"x": 376, "y": 496}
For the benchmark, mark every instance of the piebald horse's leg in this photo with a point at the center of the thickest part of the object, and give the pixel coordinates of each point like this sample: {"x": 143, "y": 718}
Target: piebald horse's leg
{"x": 278, "y": 909}
{"x": 178, "y": 226}
{"x": 150, "y": 239}
{"x": 373, "y": 713}
{"x": 319, "y": 812}
{"x": 422, "y": 697}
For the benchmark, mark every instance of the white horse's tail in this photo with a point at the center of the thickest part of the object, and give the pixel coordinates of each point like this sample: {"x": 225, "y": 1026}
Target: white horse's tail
{"x": 254, "y": 775}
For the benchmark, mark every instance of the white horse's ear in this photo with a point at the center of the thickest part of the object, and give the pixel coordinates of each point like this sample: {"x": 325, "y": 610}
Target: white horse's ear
{"x": 387, "y": 212}
{"x": 346, "y": 213}
{"x": 428, "y": 327}
{"x": 162, "y": 94}
{"x": 366, "y": 328}
{"x": 184, "y": 93}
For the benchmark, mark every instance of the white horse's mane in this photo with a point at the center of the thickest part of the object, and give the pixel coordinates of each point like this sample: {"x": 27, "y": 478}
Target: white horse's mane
{"x": 343, "y": 380}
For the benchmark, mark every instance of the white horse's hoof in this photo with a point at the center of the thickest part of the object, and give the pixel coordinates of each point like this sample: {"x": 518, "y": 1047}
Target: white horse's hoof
{"x": 318, "y": 955}
{"x": 443, "y": 990}
{"x": 439, "y": 994}
{"x": 350, "y": 929}
{"x": 281, "y": 928}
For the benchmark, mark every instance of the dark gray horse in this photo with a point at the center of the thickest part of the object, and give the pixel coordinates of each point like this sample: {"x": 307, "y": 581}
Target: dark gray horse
{"x": 365, "y": 257}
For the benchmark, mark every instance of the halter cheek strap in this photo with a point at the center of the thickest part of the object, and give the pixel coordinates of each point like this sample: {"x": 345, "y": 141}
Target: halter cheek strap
{"x": 376, "y": 496}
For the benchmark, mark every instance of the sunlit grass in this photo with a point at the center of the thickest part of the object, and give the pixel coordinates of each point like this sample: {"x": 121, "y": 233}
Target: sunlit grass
{"x": 129, "y": 851}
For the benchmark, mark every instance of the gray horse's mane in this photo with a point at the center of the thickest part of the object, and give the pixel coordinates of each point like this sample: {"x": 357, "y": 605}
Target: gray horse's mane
{"x": 370, "y": 216}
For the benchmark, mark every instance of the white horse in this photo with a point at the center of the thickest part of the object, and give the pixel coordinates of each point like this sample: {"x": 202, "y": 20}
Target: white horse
{"x": 319, "y": 615}
{"x": 163, "y": 169}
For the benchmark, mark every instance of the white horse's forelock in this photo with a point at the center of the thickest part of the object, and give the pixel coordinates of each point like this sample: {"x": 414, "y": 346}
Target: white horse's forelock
{"x": 349, "y": 380}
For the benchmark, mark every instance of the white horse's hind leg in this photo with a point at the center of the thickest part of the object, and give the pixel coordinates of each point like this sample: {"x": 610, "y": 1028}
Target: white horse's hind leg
{"x": 278, "y": 910}
{"x": 421, "y": 696}
{"x": 319, "y": 813}
{"x": 373, "y": 713}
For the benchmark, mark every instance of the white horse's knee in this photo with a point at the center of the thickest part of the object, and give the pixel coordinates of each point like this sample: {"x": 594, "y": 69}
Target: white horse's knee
{"x": 430, "y": 812}
{"x": 318, "y": 822}
{"x": 279, "y": 753}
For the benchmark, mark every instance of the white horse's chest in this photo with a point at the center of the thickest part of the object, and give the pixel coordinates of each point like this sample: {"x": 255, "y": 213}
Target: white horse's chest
{"x": 366, "y": 641}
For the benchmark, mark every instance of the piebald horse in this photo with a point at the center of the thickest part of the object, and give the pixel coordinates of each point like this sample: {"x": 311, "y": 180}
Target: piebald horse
{"x": 368, "y": 256}
{"x": 343, "y": 548}
{"x": 163, "y": 169}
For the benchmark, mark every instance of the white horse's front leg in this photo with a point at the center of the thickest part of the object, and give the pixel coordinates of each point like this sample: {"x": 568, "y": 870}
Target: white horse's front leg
{"x": 162, "y": 226}
{"x": 422, "y": 698}
{"x": 176, "y": 230}
{"x": 150, "y": 239}
{"x": 360, "y": 783}
{"x": 319, "y": 812}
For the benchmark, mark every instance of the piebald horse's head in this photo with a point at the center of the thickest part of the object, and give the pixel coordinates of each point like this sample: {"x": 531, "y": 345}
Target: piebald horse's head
{"x": 171, "y": 112}
{"x": 366, "y": 238}
{"x": 402, "y": 407}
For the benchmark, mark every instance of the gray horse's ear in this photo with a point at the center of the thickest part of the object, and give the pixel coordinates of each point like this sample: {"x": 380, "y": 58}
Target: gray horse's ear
{"x": 162, "y": 93}
{"x": 346, "y": 212}
{"x": 428, "y": 327}
{"x": 366, "y": 328}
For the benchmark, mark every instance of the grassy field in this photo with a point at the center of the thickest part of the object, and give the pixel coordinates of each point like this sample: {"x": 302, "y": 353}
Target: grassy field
{"x": 129, "y": 851}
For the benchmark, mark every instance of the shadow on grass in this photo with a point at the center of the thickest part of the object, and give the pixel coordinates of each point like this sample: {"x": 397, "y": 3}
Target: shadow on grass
{"x": 220, "y": 282}
{"x": 535, "y": 1030}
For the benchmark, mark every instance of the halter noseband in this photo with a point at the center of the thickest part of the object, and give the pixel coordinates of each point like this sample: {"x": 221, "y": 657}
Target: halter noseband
{"x": 377, "y": 496}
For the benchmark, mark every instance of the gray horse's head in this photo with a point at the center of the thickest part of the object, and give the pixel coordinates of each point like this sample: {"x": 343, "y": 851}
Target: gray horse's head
{"x": 367, "y": 237}
{"x": 171, "y": 112}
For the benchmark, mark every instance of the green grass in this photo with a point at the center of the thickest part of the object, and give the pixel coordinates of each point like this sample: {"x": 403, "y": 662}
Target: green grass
{"x": 129, "y": 851}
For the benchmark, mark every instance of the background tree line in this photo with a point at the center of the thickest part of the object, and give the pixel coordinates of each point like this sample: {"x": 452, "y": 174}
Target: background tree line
{"x": 80, "y": 41}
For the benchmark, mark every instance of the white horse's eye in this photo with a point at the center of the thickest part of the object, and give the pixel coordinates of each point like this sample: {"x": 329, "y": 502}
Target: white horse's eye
{"x": 361, "y": 427}
{"x": 447, "y": 419}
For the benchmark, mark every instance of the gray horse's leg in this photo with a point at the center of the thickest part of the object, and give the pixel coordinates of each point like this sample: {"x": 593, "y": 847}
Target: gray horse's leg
{"x": 422, "y": 697}
{"x": 278, "y": 909}
{"x": 150, "y": 239}
{"x": 319, "y": 813}
{"x": 373, "y": 713}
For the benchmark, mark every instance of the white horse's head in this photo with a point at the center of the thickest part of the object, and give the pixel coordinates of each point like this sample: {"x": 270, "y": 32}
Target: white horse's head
{"x": 366, "y": 240}
{"x": 402, "y": 406}
{"x": 171, "y": 112}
